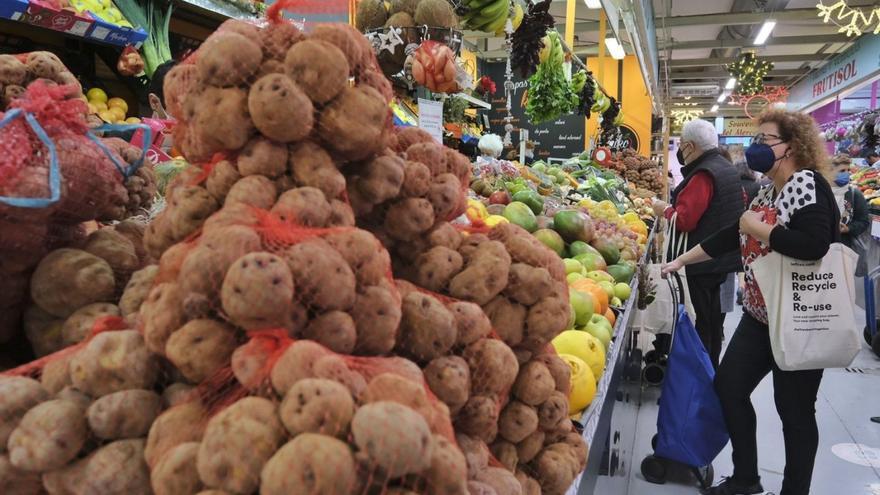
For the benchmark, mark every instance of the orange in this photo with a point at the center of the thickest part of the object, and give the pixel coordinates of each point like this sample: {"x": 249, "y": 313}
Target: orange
{"x": 609, "y": 315}
{"x": 600, "y": 297}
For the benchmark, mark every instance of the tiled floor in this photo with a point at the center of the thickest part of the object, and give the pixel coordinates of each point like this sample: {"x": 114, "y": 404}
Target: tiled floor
{"x": 847, "y": 399}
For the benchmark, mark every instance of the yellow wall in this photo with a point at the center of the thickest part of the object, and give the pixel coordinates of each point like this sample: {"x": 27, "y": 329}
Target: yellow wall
{"x": 636, "y": 104}
{"x": 469, "y": 61}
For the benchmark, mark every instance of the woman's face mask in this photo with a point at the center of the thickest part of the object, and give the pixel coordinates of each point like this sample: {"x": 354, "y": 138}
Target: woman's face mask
{"x": 760, "y": 155}
{"x": 842, "y": 178}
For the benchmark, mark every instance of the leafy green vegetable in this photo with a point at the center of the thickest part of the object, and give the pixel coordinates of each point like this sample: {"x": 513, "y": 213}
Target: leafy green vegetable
{"x": 550, "y": 92}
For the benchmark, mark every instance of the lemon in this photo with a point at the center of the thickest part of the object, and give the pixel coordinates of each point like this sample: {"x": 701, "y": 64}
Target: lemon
{"x": 107, "y": 116}
{"x": 117, "y": 112}
{"x": 97, "y": 94}
{"x": 100, "y": 105}
{"x": 493, "y": 220}
{"x": 132, "y": 120}
{"x": 118, "y": 102}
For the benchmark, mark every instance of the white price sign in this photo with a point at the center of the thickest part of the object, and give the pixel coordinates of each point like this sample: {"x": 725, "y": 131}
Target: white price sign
{"x": 431, "y": 118}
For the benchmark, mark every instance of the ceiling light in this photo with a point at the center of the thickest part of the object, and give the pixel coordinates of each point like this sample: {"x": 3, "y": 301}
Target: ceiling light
{"x": 593, "y": 4}
{"x": 615, "y": 48}
{"x": 731, "y": 83}
{"x": 713, "y": 109}
{"x": 764, "y": 32}
{"x": 723, "y": 97}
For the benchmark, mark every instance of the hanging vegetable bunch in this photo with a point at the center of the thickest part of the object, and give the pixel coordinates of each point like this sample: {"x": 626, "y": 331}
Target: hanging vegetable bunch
{"x": 612, "y": 117}
{"x": 528, "y": 39}
{"x": 550, "y": 93}
{"x": 584, "y": 86}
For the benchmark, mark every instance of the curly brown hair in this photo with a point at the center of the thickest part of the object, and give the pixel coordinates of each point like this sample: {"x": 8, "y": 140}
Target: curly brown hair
{"x": 802, "y": 134}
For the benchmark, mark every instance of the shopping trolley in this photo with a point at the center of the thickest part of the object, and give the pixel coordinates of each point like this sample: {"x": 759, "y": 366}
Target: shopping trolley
{"x": 871, "y": 334}
{"x": 690, "y": 425}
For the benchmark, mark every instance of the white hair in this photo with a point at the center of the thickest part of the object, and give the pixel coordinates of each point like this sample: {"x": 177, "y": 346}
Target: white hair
{"x": 491, "y": 145}
{"x": 700, "y": 132}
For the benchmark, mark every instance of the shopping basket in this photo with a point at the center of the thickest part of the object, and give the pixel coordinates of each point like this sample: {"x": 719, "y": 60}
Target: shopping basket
{"x": 690, "y": 424}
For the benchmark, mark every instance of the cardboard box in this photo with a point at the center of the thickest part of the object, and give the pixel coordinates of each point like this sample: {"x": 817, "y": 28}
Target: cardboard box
{"x": 106, "y": 32}
{"x": 44, "y": 15}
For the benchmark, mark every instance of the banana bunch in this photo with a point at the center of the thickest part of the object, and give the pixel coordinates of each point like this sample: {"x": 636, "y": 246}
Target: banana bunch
{"x": 552, "y": 51}
{"x": 486, "y": 15}
{"x": 578, "y": 81}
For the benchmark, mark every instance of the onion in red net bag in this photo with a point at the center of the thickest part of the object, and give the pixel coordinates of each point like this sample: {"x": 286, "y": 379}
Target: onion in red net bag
{"x": 433, "y": 66}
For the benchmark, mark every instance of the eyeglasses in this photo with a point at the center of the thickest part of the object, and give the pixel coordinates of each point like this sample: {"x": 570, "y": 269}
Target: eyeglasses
{"x": 762, "y": 137}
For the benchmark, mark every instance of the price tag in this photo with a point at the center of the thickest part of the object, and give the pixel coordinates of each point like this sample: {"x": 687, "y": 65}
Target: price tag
{"x": 431, "y": 118}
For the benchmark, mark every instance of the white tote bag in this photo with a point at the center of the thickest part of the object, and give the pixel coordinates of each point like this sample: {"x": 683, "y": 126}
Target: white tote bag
{"x": 658, "y": 316}
{"x": 811, "y": 308}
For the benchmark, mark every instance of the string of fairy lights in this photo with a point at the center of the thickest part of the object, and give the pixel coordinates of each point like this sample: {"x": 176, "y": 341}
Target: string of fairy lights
{"x": 749, "y": 72}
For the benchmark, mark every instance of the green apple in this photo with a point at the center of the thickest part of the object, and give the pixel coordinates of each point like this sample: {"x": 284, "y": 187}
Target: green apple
{"x": 600, "y": 276}
{"x": 622, "y": 291}
{"x": 616, "y": 302}
{"x": 582, "y": 304}
{"x": 608, "y": 287}
{"x": 572, "y": 277}
{"x": 573, "y": 317}
{"x": 603, "y": 322}
{"x": 573, "y": 266}
{"x": 599, "y": 332}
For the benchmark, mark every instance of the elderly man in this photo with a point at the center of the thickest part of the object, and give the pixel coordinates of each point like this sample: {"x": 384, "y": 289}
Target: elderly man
{"x": 709, "y": 198}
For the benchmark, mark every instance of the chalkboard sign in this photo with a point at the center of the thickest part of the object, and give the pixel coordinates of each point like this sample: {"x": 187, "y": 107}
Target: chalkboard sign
{"x": 562, "y": 138}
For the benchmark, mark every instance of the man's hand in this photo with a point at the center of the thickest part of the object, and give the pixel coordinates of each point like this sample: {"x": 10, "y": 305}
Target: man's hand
{"x": 844, "y": 228}
{"x": 659, "y": 207}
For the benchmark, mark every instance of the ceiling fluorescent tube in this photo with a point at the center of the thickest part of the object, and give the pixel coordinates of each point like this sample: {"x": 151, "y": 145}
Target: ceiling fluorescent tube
{"x": 615, "y": 48}
{"x": 731, "y": 83}
{"x": 764, "y": 32}
{"x": 593, "y": 4}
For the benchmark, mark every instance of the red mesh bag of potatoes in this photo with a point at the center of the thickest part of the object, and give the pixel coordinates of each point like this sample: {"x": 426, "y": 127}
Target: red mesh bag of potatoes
{"x": 251, "y": 269}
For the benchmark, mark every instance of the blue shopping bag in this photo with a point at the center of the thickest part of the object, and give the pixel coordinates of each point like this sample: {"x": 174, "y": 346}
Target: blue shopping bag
{"x": 690, "y": 424}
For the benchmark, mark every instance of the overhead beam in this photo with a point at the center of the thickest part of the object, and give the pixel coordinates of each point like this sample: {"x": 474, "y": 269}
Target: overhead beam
{"x": 703, "y": 62}
{"x": 747, "y": 42}
{"x": 725, "y": 75}
{"x": 737, "y": 18}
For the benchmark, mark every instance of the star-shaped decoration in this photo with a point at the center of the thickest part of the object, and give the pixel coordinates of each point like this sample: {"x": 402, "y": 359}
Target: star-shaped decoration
{"x": 390, "y": 39}
{"x": 825, "y": 11}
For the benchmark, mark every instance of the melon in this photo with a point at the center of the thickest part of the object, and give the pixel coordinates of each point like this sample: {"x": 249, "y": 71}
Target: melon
{"x": 584, "y": 346}
{"x": 583, "y": 384}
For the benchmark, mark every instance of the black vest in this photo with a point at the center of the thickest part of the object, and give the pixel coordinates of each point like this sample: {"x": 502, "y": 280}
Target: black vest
{"x": 726, "y": 207}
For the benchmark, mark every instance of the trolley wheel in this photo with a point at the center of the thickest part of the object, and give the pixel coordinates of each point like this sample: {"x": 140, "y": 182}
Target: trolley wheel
{"x": 705, "y": 476}
{"x": 652, "y": 356}
{"x": 867, "y": 334}
{"x": 654, "y": 441}
{"x": 875, "y": 344}
{"x": 653, "y": 374}
{"x": 654, "y": 469}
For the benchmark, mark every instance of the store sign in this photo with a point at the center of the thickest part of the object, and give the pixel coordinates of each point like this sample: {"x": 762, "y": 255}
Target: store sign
{"x": 627, "y": 138}
{"x": 561, "y": 138}
{"x": 857, "y": 64}
{"x": 739, "y": 127}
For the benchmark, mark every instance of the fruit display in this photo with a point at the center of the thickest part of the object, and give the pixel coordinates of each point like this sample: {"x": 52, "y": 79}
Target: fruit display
{"x": 112, "y": 110}
{"x": 105, "y": 10}
{"x": 868, "y": 182}
{"x": 638, "y": 170}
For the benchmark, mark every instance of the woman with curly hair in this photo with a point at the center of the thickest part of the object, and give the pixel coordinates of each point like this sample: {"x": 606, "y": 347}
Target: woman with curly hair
{"x": 797, "y": 216}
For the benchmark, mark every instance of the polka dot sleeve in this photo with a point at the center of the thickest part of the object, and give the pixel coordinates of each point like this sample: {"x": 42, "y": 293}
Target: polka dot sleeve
{"x": 806, "y": 218}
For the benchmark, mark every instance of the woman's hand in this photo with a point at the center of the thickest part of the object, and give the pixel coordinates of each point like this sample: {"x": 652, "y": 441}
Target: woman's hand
{"x": 749, "y": 221}
{"x": 844, "y": 228}
{"x": 671, "y": 267}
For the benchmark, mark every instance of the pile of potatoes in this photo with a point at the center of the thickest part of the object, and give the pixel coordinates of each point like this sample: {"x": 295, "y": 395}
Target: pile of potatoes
{"x": 72, "y": 287}
{"x": 140, "y": 186}
{"x": 18, "y": 71}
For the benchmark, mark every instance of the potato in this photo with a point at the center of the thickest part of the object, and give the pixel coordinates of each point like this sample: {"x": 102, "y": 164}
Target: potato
{"x": 114, "y": 248}
{"x": 479, "y": 418}
{"x": 117, "y": 468}
{"x": 553, "y": 411}
{"x": 334, "y": 330}
{"x": 324, "y": 281}
{"x": 278, "y": 39}
{"x": 161, "y": 314}
{"x": 493, "y": 366}
{"x": 280, "y": 109}
{"x": 447, "y": 473}
{"x": 476, "y": 453}
{"x": 508, "y": 319}
{"x": 18, "y": 395}
{"x": 125, "y": 414}
{"x": 445, "y": 195}
{"x": 228, "y": 59}
{"x": 376, "y": 315}
{"x": 295, "y": 364}
{"x": 436, "y": 267}
{"x": 529, "y": 447}
{"x": 180, "y": 83}
{"x": 137, "y": 289}
{"x": 334, "y": 367}
{"x": 258, "y": 291}
{"x": 364, "y": 254}
{"x": 471, "y": 322}
{"x": 188, "y": 208}
{"x": 134, "y": 230}
{"x": 200, "y": 348}
{"x": 312, "y": 166}
{"x": 505, "y": 453}
{"x": 554, "y": 470}
{"x": 470, "y": 243}
{"x": 46, "y": 65}
{"x": 68, "y": 279}
{"x": 222, "y": 120}
{"x": 408, "y": 136}
{"x": 459, "y": 165}
{"x": 177, "y": 393}
{"x": 446, "y": 235}
{"x": 12, "y": 92}
{"x": 237, "y": 443}
{"x": 261, "y": 156}
{"x": 480, "y": 488}
{"x": 14, "y": 481}
{"x": 354, "y": 122}
{"x": 535, "y": 384}
{"x": 429, "y": 153}
{"x": 12, "y": 71}
{"x": 450, "y": 380}
{"x": 427, "y": 328}
{"x": 416, "y": 181}
{"x": 310, "y": 463}
{"x": 319, "y": 68}
{"x": 501, "y": 480}
{"x": 528, "y": 284}
{"x": 396, "y": 388}
{"x": 42, "y": 330}
{"x": 78, "y": 326}
{"x": 381, "y": 178}
{"x": 56, "y": 374}
{"x": 559, "y": 370}
{"x": 525, "y": 248}
{"x": 395, "y": 438}
{"x": 49, "y": 436}
{"x": 317, "y": 405}
{"x": 205, "y": 267}
{"x": 409, "y": 218}
{"x": 224, "y": 174}
{"x": 176, "y": 471}
{"x": 546, "y": 319}
{"x": 530, "y": 486}
{"x": 517, "y": 421}
{"x": 480, "y": 282}
{"x": 113, "y": 361}
{"x": 578, "y": 447}
{"x": 305, "y": 206}
{"x": 175, "y": 426}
